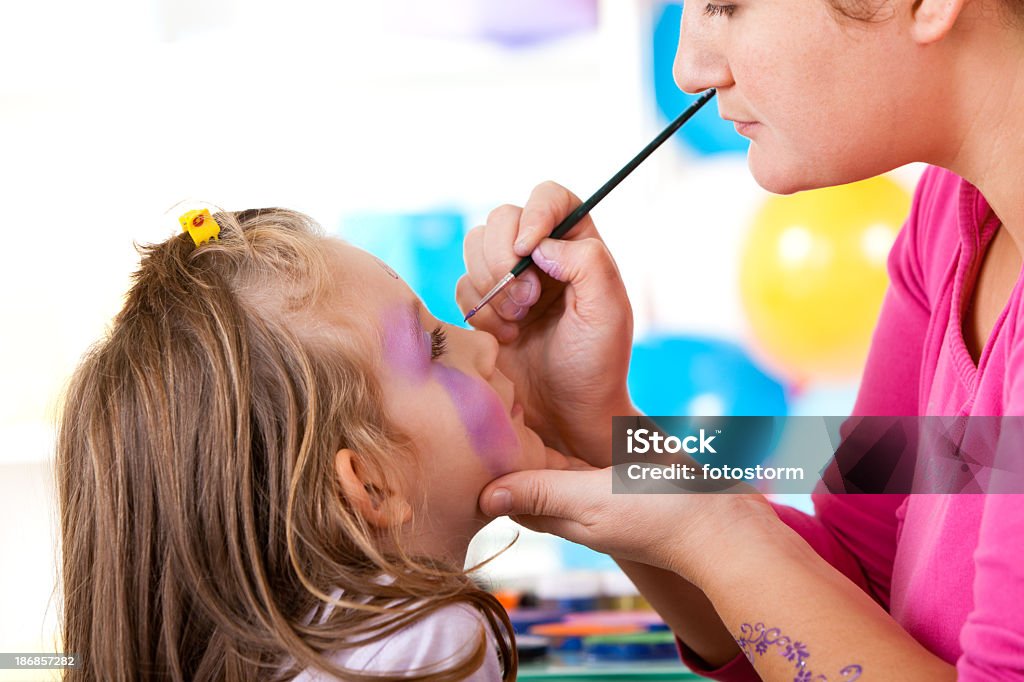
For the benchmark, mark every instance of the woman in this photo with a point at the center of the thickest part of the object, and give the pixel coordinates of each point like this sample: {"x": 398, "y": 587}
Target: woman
{"x": 885, "y": 586}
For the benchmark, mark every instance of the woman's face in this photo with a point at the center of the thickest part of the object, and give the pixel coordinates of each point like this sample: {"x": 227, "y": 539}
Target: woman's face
{"x": 834, "y": 100}
{"x": 441, "y": 387}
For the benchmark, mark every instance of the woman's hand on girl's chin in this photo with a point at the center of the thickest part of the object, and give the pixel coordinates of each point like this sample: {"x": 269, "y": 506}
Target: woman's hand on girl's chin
{"x": 689, "y": 534}
{"x": 556, "y": 460}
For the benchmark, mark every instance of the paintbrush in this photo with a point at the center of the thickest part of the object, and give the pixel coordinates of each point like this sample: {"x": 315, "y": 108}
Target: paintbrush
{"x": 583, "y": 209}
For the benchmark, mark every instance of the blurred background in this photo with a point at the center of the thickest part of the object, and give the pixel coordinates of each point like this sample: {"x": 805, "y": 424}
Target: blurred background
{"x": 398, "y": 125}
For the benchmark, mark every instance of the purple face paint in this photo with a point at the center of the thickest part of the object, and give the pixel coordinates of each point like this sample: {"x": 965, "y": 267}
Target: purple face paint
{"x": 406, "y": 346}
{"x": 484, "y": 417}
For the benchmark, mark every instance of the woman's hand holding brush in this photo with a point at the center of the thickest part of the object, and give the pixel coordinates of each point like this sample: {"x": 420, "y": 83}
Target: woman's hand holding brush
{"x": 565, "y": 327}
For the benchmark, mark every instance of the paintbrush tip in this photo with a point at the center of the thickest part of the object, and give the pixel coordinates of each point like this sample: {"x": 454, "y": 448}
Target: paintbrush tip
{"x": 470, "y": 314}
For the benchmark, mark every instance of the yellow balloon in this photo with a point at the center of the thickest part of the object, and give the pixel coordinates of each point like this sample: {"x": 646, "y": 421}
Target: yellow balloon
{"x": 813, "y": 275}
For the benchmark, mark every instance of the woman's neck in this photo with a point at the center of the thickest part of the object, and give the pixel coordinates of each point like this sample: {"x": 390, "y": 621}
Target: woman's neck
{"x": 985, "y": 143}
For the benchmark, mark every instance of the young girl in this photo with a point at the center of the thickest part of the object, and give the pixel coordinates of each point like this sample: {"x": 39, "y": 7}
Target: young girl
{"x": 270, "y": 467}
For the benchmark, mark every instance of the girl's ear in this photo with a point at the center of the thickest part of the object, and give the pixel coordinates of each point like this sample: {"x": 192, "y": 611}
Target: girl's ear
{"x": 933, "y": 19}
{"x": 380, "y": 507}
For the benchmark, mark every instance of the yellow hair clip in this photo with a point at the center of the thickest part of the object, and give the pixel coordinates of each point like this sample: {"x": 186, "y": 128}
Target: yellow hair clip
{"x": 200, "y": 225}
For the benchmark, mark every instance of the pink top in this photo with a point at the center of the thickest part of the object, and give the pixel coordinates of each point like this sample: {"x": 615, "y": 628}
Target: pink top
{"x": 949, "y": 568}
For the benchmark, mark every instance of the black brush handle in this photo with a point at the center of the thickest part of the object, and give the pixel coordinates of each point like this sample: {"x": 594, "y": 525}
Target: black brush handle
{"x": 583, "y": 209}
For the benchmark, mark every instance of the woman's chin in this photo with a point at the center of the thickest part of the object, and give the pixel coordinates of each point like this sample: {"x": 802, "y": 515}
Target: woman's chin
{"x": 772, "y": 175}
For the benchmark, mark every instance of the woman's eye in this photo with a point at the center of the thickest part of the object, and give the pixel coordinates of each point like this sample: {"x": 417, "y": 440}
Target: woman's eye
{"x": 438, "y": 343}
{"x": 713, "y": 10}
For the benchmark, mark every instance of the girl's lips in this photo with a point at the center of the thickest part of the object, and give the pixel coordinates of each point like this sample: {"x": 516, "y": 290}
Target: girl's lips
{"x": 746, "y": 128}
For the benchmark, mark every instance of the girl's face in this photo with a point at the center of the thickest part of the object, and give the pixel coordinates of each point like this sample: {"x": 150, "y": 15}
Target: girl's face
{"x": 833, "y": 100}
{"x": 441, "y": 386}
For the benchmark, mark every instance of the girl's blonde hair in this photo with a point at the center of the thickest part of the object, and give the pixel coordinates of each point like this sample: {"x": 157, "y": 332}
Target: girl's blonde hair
{"x": 202, "y": 519}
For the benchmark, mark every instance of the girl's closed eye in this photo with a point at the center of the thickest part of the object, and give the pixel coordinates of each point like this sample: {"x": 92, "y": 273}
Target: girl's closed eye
{"x": 713, "y": 10}
{"x": 438, "y": 342}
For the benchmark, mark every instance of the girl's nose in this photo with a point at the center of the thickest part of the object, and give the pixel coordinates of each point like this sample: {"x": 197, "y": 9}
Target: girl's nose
{"x": 700, "y": 62}
{"x": 485, "y": 352}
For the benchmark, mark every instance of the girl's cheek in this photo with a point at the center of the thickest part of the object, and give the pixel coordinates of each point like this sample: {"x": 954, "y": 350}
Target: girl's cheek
{"x": 484, "y": 419}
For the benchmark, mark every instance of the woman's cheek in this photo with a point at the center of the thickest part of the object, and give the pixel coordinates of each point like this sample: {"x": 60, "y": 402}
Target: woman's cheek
{"x": 484, "y": 419}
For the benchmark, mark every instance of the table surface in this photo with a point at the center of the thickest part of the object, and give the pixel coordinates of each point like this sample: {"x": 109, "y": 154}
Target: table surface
{"x": 639, "y": 672}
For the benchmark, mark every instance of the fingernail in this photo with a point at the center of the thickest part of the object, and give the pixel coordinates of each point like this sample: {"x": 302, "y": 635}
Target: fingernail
{"x": 521, "y": 248}
{"x": 501, "y": 502}
{"x": 520, "y": 292}
{"x": 544, "y": 262}
{"x": 510, "y": 310}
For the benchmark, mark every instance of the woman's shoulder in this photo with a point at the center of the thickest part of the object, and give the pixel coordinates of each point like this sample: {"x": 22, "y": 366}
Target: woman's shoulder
{"x": 935, "y": 210}
{"x": 928, "y": 243}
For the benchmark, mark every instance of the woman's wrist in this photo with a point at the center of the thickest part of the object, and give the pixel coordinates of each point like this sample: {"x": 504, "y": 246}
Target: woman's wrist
{"x": 739, "y": 534}
{"x": 592, "y": 442}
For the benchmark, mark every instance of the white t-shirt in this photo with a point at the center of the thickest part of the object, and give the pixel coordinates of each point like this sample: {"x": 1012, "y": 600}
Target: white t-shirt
{"x": 447, "y": 635}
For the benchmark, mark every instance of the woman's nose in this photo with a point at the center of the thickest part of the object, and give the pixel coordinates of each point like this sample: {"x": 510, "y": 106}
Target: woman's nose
{"x": 700, "y": 63}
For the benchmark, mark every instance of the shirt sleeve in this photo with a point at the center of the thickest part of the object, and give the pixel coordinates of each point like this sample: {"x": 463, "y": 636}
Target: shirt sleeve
{"x": 857, "y": 534}
{"x": 992, "y": 639}
{"x": 440, "y": 639}
{"x": 448, "y": 635}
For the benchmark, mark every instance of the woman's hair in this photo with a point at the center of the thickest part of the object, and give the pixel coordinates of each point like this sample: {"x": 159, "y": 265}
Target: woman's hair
{"x": 202, "y": 520}
{"x": 873, "y": 11}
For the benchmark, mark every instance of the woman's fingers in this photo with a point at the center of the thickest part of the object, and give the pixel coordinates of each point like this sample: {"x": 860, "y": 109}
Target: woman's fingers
{"x": 498, "y": 235}
{"x": 510, "y": 233}
{"x": 541, "y": 492}
{"x": 548, "y": 205}
{"x": 488, "y": 256}
{"x": 664, "y": 530}
{"x": 598, "y": 291}
{"x": 487, "y": 319}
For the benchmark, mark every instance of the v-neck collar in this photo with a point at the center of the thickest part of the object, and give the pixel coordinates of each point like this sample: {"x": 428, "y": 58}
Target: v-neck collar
{"x": 977, "y": 225}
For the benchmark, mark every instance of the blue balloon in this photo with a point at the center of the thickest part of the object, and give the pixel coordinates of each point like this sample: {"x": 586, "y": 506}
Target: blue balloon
{"x": 425, "y": 249}
{"x": 690, "y": 377}
{"x": 824, "y": 400}
{"x": 686, "y": 375}
{"x": 705, "y": 133}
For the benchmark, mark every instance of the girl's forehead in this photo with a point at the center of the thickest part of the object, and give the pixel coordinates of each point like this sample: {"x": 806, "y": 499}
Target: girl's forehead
{"x": 387, "y": 268}
{"x": 369, "y": 282}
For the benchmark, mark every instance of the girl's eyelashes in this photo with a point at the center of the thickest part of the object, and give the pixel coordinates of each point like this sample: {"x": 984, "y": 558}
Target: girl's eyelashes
{"x": 713, "y": 10}
{"x": 438, "y": 342}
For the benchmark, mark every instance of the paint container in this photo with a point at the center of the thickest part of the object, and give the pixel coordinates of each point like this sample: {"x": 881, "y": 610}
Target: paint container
{"x": 630, "y": 647}
{"x": 567, "y": 638}
{"x": 570, "y": 590}
{"x": 532, "y": 648}
{"x": 649, "y": 621}
{"x": 524, "y": 619}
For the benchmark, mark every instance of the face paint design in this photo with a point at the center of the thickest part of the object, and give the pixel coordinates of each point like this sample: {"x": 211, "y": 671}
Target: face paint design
{"x": 483, "y": 417}
{"x": 387, "y": 268}
{"x": 406, "y": 346}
